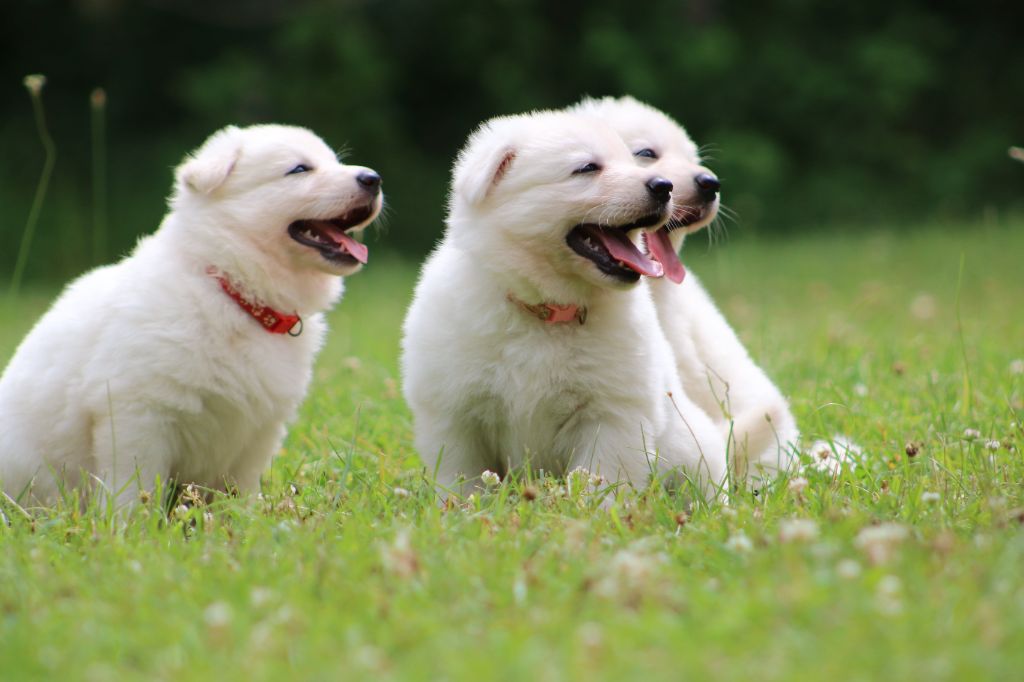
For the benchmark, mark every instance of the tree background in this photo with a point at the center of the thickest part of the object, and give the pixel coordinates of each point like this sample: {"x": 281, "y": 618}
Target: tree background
{"x": 819, "y": 115}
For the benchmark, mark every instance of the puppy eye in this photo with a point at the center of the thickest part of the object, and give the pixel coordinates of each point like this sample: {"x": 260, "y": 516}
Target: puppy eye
{"x": 588, "y": 168}
{"x": 301, "y": 168}
{"x": 647, "y": 153}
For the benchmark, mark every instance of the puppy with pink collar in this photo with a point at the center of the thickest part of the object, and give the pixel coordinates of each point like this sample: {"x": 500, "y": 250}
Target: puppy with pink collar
{"x": 530, "y": 340}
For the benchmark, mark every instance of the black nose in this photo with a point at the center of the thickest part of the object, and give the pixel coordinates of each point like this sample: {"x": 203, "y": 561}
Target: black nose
{"x": 369, "y": 181}
{"x": 660, "y": 188}
{"x": 707, "y": 186}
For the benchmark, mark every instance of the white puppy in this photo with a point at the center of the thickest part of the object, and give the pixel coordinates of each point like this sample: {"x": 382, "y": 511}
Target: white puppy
{"x": 528, "y": 339}
{"x": 185, "y": 360}
{"x": 716, "y": 370}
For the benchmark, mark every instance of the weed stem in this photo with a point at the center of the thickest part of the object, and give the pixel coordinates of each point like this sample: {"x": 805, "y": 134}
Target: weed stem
{"x": 35, "y": 88}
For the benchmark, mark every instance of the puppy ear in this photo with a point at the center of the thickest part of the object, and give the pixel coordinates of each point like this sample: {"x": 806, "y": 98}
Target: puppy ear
{"x": 208, "y": 167}
{"x": 480, "y": 171}
{"x": 507, "y": 157}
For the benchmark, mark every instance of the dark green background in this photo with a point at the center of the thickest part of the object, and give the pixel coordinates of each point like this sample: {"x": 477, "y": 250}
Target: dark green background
{"x": 821, "y": 115}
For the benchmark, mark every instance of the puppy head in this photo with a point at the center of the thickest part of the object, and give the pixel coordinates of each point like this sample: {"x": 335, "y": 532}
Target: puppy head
{"x": 555, "y": 199}
{"x": 279, "y": 193}
{"x": 662, "y": 145}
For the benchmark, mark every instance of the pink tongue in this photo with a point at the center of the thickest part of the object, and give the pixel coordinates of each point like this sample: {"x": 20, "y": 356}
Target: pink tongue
{"x": 356, "y": 249}
{"x": 660, "y": 247}
{"x": 623, "y": 249}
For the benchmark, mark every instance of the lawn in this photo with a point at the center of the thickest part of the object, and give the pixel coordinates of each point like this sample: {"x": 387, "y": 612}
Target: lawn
{"x": 909, "y": 565}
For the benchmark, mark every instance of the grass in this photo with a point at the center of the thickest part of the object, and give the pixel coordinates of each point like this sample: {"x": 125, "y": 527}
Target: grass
{"x": 345, "y": 568}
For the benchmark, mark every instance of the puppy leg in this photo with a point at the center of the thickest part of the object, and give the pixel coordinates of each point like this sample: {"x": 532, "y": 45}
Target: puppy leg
{"x": 754, "y": 415}
{"x": 244, "y": 475}
{"x": 761, "y": 441}
{"x": 620, "y": 453}
{"x": 454, "y": 453}
{"x": 693, "y": 445}
{"x": 131, "y": 447}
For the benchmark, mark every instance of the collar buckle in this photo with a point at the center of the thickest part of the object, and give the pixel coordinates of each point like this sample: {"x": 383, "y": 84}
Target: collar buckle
{"x": 552, "y": 313}
{"x": 273, "y": 321}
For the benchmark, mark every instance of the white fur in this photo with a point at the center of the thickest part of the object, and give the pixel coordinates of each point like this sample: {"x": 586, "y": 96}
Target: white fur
{"x": 492, "y": 387}
{"x": 146, "y": 368}
{"x": 716, "y": 371}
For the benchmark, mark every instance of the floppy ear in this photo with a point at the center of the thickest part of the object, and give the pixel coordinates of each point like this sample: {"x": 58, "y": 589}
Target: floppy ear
{"x": 209, "y": 166}
{"x": 480, "y": 170}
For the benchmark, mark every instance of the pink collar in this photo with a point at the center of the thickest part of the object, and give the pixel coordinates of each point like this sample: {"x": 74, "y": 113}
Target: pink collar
{"x": 273, "y": 321}
{"x": 552, "y": 313}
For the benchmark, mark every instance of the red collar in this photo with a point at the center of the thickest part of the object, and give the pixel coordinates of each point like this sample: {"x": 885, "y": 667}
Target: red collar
{"x": 271, "y": 320}
{"x": 552, "y": 313}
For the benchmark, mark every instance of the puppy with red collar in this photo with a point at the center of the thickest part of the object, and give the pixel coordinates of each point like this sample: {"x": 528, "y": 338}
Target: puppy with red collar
{"x": 185, "y": 360}
{"x": 529, "y": 340}
{"x": 715, "y": 369}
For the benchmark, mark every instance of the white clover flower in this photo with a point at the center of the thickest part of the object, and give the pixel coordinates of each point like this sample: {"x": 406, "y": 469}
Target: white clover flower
{"x": 260, "y": 596}
{"x": 400, "y": 492}
{"x": 996, "y": 503}
{"x": 490, "y": 479}
{"x": 879, "y": 542}
{"x": 399, "y": 557}
{"x": 738, "y": 542}
{"x": 797, "y": 485}
{"x": 591, "y": 635}
{"x": 834, "y": 455}
{"x": 217, "y": 614}
{"x": 972, "y": 434}
{"x": 923, "y": 307}
{"x": 890, "y": 585}
{"x": 519, "y": 589}
{"x": 848, "y": 569}
{"x": 798, "y": 530}
{"x": 1017, "y": 366}
{"x": 992, "y": 445}
{"x": 888, "y": 597}
{"x": 929, "y": 496}
{"x": 630, "y": 573}
{"x": 860, "y": 390}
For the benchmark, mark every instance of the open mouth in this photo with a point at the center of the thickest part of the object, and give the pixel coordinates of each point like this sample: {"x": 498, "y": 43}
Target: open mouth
{"x": 612, "y": 251}
{"x": 330, "y": 237}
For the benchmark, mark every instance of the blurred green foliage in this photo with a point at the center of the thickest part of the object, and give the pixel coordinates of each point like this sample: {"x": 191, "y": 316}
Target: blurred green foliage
{"x": 816, "y": 114}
